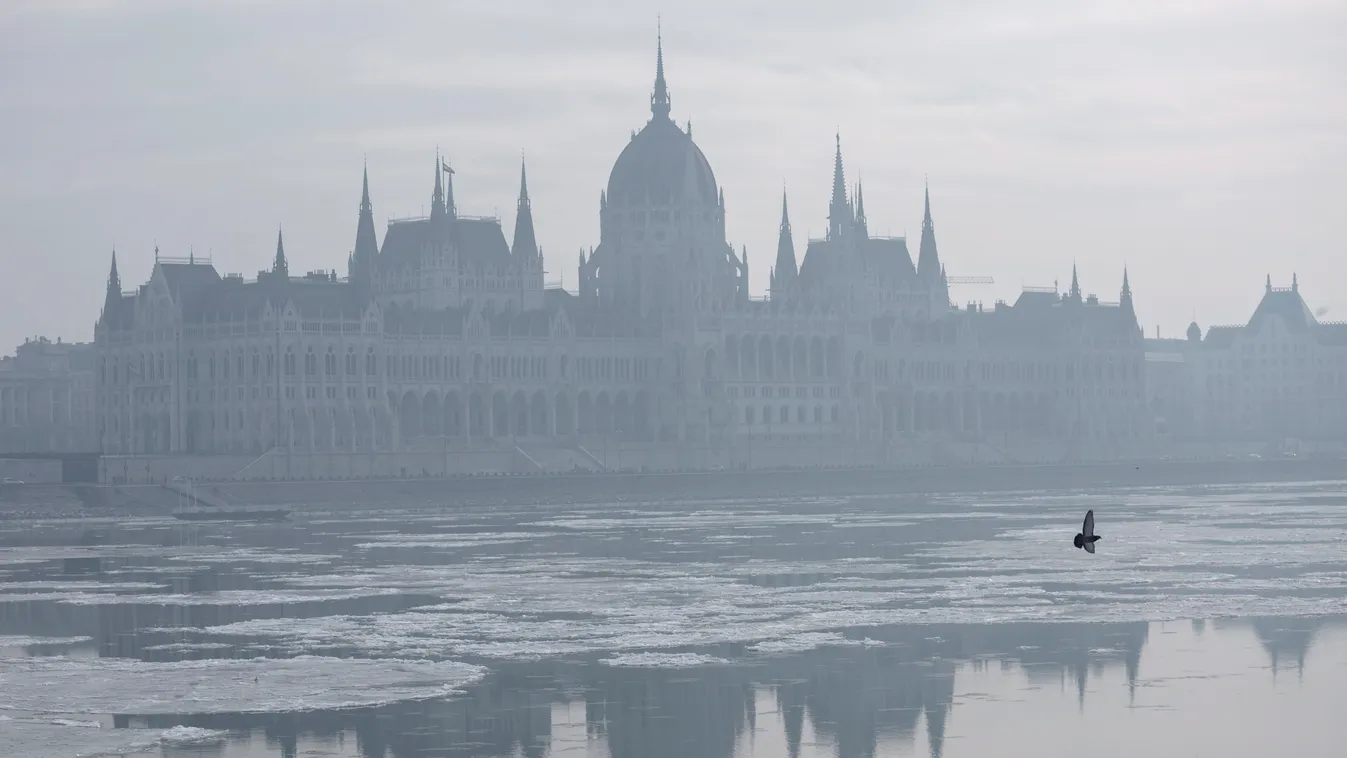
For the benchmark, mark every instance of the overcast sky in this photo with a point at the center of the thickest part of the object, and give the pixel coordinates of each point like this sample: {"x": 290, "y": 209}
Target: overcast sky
{"x": 1203, "y": 143}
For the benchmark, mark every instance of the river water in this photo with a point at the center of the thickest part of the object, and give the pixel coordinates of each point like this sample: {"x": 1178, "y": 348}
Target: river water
{"x": 1212, "y": 621}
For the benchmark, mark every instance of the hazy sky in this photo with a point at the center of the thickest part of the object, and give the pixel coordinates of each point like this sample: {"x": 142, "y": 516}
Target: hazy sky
{"x": 1201, "y": 142}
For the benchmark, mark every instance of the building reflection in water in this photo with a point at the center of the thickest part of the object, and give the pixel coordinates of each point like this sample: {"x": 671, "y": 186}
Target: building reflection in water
{"x": 853, "y": 698}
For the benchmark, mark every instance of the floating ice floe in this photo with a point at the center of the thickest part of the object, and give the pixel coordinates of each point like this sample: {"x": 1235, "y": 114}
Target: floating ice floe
{"x": 663, "y": 660}
{"x": 20, "y": 640}
{"x": 223, "y": 597}
{"x": 192, "y": 735}
{"x": 259, "y": 685}
{"x": 45, "y": 738}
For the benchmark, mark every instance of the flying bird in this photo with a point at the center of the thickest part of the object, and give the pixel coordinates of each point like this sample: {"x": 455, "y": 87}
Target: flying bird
{"x": 1087, "y": 537}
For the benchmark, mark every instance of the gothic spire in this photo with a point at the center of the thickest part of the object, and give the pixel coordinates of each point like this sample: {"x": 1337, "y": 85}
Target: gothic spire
{"x": 659, "y": 101}
{"x": 114, "y": 280}
{"x": 928, "y": 256}
{"x": 360, "y": 268}
{"x": 114, "y": 294}
{"x": 449, "y": 206}
{"x": 364, "y": 190}
{"x": 278, "y": 264}
{"x": 1074, "y": 295}
{"x": 861, "y": 224}
{"x": 1126, "y": 299}
{"x": 437, "y": 197}
{"x": 785, "y": 272}
{"x": 525, "y": 243}
{"x": 838, "y": 208}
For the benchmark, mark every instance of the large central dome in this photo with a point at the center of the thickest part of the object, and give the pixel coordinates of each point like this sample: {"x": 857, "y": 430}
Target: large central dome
{"x": 661, "y": 165}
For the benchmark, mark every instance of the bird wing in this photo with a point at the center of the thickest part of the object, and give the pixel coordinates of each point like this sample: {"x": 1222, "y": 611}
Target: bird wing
{"x": 1089, "y": 548}
{"x": 1088, "y": 529}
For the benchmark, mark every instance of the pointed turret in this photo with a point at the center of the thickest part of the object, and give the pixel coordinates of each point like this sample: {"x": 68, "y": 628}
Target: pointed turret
{"x": 114, "y": 293}
{"x": 862, "y": 228}
{"x": 437, "y": 197}
{"x": 928, "y": 257}
{"x": 525, "y": 245}
{"x": 786, "y": 270}
{"x": 838, "y": 209}
{"x": 1269, "y": 282}
{"x": 450, "y": 207}
{"x": 1295, "y": 282}
{"x": 1074, "y": 294}
{"x": 659, "y": 99}
{"x": 1126, "y": 299}
{"x": 278, "y": 264}
{"x": 366, "y": 243}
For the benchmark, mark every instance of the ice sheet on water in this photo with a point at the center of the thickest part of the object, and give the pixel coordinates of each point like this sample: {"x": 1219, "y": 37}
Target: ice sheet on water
{"x": 21, "y": 640}
{"x": 798, "y": 643}
{"x": 192, "y": 735}
{"x": 77, "y": 586}
{"x": 458, "y": 540}
{"x": 701, "y": 520}
{"x": 46, "y": 738}
{"x": 253, "y": 555}
{"x": 663, "y": 660}
{"x": 222, "y": 597}
{"x": 187, "y": 647}
{"x": 117, "y": 685}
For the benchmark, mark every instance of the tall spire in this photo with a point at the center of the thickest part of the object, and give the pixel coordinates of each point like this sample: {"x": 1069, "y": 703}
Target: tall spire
{"x": 361, "y": 266}
{"x": 838, "y": 208}
{"x": 364, "y": 191}
{"x": 1126, "y": 300}
{"x": 114, "y": 280}
{"x": 1074, "y": 295}
{"x": 861, "y": 226}
{"x": 278, "y": 264}
{"x": 114, "y": 294}
{"x": 525, "y": 243}
{"x": 928, "y": 256}
{"x": 785, "y": 273}
{"x": 449, "y": 206}
{"x": 659, "y": 101}
{"x": 437, "y": 197}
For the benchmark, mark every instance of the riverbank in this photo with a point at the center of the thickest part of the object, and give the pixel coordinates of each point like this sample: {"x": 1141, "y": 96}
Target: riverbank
{"x": 542, "y": 489}
{"x": 715, "y": 485}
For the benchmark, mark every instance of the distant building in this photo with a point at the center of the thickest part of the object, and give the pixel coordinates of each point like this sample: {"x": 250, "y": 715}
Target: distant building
{"x": 47, "y": 398}
{"x": 1283, "y": 375}
{"x": 446, "y": 335}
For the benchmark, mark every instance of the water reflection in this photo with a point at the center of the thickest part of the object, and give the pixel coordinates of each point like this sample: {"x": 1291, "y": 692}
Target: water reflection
{"x": 894, "y": 692}
{"x": 812, "y": 661}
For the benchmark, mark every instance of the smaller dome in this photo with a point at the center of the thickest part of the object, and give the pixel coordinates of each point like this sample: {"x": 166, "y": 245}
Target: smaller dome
{"x": 1194, "y": 332}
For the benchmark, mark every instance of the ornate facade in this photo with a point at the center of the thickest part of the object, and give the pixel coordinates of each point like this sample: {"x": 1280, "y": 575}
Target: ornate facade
{"x": 1281, "y": 376}
{"x": 445, "y": 336}
{"x": 47, "y": 398}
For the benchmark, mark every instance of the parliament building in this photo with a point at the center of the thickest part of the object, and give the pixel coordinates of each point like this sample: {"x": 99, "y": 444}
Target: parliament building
{"x": 441, "y": 350}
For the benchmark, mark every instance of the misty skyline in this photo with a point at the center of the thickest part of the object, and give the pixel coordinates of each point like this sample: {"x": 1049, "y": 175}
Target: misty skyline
{"x": 1202, "y": 144}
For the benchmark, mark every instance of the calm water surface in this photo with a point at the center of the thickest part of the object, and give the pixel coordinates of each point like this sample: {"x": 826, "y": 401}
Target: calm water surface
{"x": 1213, "y": 621}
